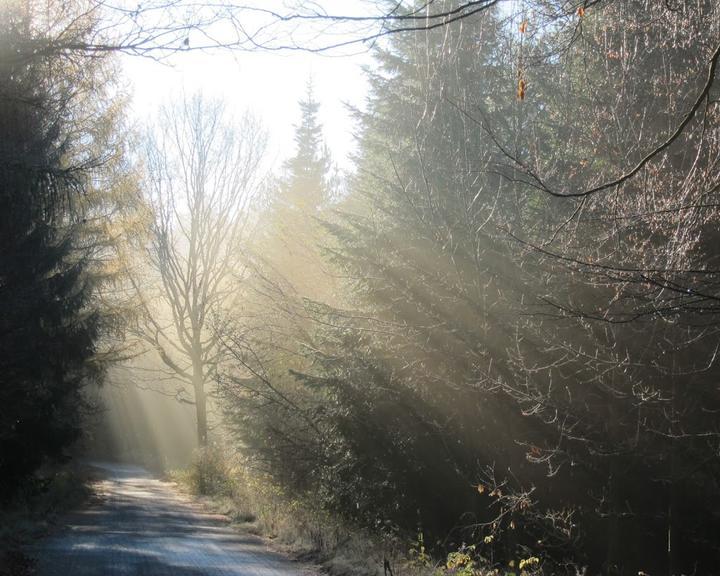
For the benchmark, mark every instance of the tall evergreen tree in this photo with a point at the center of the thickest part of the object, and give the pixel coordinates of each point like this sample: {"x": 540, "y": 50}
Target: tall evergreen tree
{"x": 48, "y": 327}
{"x": 427, "y": 244}
{"x": 306, "y": 182}
{"x": 271, "y": 411}
{"x": 289, "y": 245}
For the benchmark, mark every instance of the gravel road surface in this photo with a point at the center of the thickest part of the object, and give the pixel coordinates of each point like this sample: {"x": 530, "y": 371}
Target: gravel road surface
{"x": 141, "y": 526}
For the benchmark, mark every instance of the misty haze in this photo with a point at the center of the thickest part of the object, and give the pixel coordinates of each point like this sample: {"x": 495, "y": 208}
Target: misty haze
{"x": 359, "y": 288}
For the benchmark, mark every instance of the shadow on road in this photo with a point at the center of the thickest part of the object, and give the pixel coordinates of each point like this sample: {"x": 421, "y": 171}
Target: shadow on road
{"x": 141, "y": 526}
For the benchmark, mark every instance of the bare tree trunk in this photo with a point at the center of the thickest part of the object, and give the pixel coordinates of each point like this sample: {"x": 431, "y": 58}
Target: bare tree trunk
{"x": 200, "y": 400}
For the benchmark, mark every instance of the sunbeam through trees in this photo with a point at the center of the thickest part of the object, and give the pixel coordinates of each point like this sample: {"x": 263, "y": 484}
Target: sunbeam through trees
{"x": 482, "y": 344}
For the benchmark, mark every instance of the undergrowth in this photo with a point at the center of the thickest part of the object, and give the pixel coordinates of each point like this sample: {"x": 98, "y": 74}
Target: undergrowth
{"x": 302, "y": 528}
{"x": 33, "y": 511}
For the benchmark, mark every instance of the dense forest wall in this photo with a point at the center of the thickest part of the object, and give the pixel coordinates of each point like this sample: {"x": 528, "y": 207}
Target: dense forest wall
{"x": 526, "y": 360}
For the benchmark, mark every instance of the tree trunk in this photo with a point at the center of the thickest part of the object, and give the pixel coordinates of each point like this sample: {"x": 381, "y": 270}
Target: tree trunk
{"x": 673, "y": 496}
{"x": 200, "y": 401}
{"x": 613, "y": 560}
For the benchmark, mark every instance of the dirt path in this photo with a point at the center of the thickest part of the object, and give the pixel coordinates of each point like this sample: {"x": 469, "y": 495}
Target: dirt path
{"x": 142, "y": 526}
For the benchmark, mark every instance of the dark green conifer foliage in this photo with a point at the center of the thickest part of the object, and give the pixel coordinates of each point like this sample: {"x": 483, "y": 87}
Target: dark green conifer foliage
{"x": 511, "y": 397}
{"x": 47, "y": 331}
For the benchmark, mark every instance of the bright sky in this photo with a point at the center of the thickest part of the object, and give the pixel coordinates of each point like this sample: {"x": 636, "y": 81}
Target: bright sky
{"x": 269, "y": 84}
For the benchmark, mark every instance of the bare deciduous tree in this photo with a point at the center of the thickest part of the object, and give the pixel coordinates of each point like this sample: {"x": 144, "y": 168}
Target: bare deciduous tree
{"x": 202, "y": 174}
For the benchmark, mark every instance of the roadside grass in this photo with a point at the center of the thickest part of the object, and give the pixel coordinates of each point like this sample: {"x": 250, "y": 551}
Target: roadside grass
{"x": 302, "y": 529}
{"x": 34, "y": 511}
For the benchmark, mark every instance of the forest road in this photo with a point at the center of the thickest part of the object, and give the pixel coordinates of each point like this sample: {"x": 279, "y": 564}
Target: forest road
{"x": 142, "y": 526}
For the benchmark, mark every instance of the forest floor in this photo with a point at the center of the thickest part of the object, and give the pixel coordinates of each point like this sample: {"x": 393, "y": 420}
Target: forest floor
{"x": 140, "y": 525}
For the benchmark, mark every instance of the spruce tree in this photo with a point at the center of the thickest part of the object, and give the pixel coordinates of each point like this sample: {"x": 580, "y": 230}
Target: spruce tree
{"x": 47, "y": 326}
{"x": 306, "y": 183}
{"x": 290, "y": 246}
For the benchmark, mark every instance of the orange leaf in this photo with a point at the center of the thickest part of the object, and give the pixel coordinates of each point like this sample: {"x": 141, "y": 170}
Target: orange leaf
{"x": 581, "y": 12}
{"x": 523, "y": 26}
{"x": 521, "y": 89}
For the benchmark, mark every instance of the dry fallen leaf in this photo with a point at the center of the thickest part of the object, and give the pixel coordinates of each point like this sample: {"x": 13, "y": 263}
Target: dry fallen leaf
{"x": 521, "y": 89}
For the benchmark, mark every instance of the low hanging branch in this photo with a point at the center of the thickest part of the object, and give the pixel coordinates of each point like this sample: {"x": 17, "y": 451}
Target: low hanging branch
{"x": 160, "y": 28}
{"x": 537, "y": 182}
